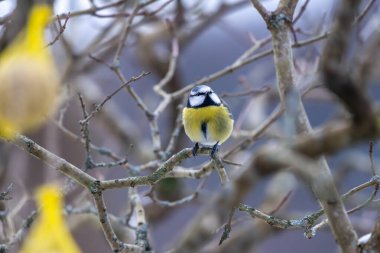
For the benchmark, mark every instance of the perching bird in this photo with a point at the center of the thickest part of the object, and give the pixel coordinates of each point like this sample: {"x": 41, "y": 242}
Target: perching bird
{"x": 207, "y": 119}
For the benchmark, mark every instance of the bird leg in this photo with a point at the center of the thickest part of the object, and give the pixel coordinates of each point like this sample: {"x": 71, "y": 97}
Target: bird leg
{"x": 195, "y": 149}
{"x": 214, "y": 150}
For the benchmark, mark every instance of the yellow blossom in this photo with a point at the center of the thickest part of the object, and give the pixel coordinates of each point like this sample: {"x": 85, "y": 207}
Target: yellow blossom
{"x": 49, "y": 234}
{"x": 29, "y": 81}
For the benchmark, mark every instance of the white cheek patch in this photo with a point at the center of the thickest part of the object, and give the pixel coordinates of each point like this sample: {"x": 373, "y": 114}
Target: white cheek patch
{"x": 196, "y": 100}
{"x": 215, "y": 98}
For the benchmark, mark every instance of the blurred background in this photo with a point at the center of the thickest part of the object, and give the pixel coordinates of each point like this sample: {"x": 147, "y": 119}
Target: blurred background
{"x": 211, "y": 36}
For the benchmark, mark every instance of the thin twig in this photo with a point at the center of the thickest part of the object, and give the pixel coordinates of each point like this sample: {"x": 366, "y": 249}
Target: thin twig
{"x": 178, "y": 202}
{"x": 62, "y": 28}
{"x": 158, "y": 88}
{"x": 240, "y": 63}
{"x": 174, "y": 138}
{"x": 99, "y": 106}
{"x": 90, "y": 10}
{"x": 360, "y": 17}
{"x": 124, "y": 35}
{"x": 301, "y": 12}
{"x": 227, "y": 227}
{"x": 26, "y": 224}
{"x": 251, "y": 92}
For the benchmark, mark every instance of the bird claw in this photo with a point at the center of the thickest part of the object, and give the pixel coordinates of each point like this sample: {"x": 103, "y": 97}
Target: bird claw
{"x": 195, "y": 149}
{"x": 214, "y": 150}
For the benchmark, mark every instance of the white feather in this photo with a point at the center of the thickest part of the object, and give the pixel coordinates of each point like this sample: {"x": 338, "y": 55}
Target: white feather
{"x": 215, "y": 98}
{"x": 196, "y": 100}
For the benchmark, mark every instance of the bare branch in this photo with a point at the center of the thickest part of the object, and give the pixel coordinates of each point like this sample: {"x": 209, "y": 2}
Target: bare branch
{"x": 261, "y": 9}
{"x": 287, "y": 6}
{"x": 17, "y": 237}
{"x": 301, "y": 12}
{"x": 115, "y": 243}
{"x": 54, "y": 161}
{"x": 62, "y": 28}
{"x": 156, "y": 176}
{"x": 142, "y": 226}
{"x": 124, "y": 35}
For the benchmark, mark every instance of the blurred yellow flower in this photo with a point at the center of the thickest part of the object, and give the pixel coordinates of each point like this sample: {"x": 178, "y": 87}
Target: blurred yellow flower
{"x": 29, "y": 81}
{"x": 49, "y": 234}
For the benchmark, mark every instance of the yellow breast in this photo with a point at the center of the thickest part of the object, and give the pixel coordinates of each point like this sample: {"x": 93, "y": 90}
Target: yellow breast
{"x": 207, "y": 125}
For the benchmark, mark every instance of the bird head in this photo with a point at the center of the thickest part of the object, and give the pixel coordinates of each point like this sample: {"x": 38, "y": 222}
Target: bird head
{"x": 201, "y": 96}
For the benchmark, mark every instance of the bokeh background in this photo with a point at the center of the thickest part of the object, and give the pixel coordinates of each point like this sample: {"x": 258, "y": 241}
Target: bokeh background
{"x": 212, "y": 35}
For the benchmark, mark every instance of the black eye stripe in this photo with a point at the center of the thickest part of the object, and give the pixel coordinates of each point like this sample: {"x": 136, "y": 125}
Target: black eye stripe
{"x": 198, "y": 94}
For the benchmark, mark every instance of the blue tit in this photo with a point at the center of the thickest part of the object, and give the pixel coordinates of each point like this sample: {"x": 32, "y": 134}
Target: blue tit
{"x": 207, "y": 119}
